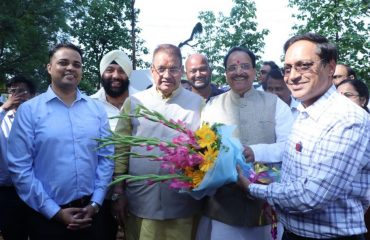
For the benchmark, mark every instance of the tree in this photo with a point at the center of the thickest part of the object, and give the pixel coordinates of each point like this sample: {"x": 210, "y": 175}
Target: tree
{"x": 224, "y": 32}
{"x": 27, "y": 29}
{"x": 345, "y": 22}
{"x": 100, "y": 26}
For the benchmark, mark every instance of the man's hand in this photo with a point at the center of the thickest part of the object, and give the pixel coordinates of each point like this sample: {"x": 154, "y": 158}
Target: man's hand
{"x": 75, "y": 218}
{"x": 248, "y": 154}
{"x": 84, "y": 218}
{"x": 119, "y": 210}
{"x": 13, "y": 102}
{"x": 243, "y": 182}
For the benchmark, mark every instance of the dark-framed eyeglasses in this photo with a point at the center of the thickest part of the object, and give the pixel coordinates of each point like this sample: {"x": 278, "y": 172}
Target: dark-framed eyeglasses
{"x": 234, "y": 68}
{"x": 301, "y": 67}
{"x": 17, "y": 90}
{"x": 171, "y": 70}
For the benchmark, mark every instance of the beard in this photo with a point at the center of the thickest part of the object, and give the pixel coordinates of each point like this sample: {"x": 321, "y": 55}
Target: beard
{"x": 114, "y": 91}
{"x": 204, "y": 83}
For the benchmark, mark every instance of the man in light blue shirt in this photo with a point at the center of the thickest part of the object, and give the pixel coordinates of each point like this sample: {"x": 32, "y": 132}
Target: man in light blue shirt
{"x": 53, "y": 156}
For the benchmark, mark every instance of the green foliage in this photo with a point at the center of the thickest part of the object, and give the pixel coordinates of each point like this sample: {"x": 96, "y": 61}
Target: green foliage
{"x": 224, "y": 32}
{"x": 100, "y": 26}
{"x": 27, "y": 29}
{"x": 345, "y": 22}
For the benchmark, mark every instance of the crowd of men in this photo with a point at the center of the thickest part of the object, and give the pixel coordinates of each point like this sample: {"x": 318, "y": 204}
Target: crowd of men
{"x": 311, "y": 117}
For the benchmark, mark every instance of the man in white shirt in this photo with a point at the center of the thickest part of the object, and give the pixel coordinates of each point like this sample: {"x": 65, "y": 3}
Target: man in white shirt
{"x": 262, "y": 123}
{"x": 115, "y": 70}
{"x": 324, "y": 186}
{"x": 13, "y": 223}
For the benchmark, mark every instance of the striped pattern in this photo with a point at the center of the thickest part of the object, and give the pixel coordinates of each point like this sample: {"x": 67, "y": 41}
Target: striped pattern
{"x": 325, "y": 187}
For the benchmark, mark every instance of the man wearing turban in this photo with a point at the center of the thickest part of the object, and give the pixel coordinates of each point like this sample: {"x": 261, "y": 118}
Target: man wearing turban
{"x": 115, "y": 70}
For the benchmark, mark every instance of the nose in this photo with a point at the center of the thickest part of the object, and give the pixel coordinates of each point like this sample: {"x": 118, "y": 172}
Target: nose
{"x": 115, "y": 74}
{"x": 293, "y": 75}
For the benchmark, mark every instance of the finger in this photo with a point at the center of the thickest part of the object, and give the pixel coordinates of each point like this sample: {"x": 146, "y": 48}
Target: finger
{"x": 77, "y": 226}
{"x": 239, "y": 170}
{"x": 80, "y": 221}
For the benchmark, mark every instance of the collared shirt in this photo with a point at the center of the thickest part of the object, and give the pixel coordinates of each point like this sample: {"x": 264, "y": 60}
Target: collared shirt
{"x": 52, "y": 152}
{"x": 111, "y": 110}
{"x": 294, "y": 107}
{"x": 2, "y": 113}
{"x": 325, "y": 184}
{"x": 124, "y": 125}
{"x": 5, "y": 126}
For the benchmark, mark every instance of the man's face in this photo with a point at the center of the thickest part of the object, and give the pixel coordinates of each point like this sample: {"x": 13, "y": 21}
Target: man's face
{"x": 340, "y": 74}
{"x": 305, "y": 75}
{"x": 198, "y": 72}
{"x": 279, "y": 88}
{"x": 240, "y": 73}
{"x": 65, "y": 69}
{"x": 265, "y": 69}
{"x": 166, "y": 71}
{"x": 115, "y": 80}
{"x": 20, "y": 90}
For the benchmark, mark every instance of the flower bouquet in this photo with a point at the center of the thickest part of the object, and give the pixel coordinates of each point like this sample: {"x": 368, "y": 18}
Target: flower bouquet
{"x": 198, "y": 162}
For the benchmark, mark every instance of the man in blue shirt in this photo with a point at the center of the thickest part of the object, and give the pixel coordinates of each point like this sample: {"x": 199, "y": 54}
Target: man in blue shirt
{"x": 53, "y": 156}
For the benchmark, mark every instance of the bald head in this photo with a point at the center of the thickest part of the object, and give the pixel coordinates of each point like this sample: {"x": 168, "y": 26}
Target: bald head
{"x": 198, "y": 71}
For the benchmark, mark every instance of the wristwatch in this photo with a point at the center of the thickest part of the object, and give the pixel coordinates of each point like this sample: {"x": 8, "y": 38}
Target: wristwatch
{"x": 95, "y": 206}
{"x": 116, "y": 196}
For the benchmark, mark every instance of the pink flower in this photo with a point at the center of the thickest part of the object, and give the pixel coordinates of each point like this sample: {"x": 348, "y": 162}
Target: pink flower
{"x": 178, "y": 184}
{"x": 182, "y": 139}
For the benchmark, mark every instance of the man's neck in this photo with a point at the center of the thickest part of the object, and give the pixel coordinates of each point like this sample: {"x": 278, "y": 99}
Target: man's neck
{"x": 68, "y": 96}
{"x": 117, "y": 101}
{"x": 204, "y": 92}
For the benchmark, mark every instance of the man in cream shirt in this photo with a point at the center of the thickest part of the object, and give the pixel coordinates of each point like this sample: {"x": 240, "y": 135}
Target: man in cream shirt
{"x": 262, "y": 123}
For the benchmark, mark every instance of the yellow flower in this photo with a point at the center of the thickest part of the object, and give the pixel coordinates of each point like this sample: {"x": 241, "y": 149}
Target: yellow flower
{"x": 209, "y": 157}
{"x": 195, "y": 175}
{"x": 206, "y": 136}
{"x": 197, "y": 178}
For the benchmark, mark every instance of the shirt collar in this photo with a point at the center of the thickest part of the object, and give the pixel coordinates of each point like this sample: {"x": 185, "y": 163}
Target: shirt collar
{"x": 294, "y": 103}
{"x": 245, "y": 95}
{"x": 319, "y": 106}
{"x": 50, "y": 95}
{"x": 172, "y": 95}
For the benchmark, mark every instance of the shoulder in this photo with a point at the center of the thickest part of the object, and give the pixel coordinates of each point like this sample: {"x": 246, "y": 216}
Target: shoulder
{"x": 265, "y": 95}
{"x": 98, "y": 106}
{"x": 98, "y": 94}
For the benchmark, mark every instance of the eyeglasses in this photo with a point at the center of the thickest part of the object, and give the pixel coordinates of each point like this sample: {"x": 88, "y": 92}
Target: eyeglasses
{"x": 301, "y": 67}
{"x": 17, "y": 90}
{"x": 172, "y": 70}
{"x": 349, "y": 94}
{"x": 234, "y": 68}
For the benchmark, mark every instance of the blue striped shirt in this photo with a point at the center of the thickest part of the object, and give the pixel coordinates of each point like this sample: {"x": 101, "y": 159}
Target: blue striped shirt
{"x": 5, "y": 126}
{"x": 325, "y": 185}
